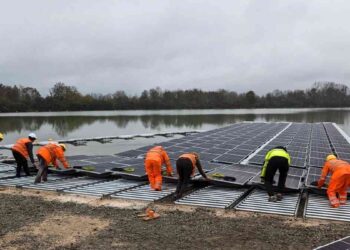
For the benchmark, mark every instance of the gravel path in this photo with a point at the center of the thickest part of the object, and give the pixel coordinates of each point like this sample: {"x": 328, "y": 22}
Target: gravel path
{"x": 33, "y": 223}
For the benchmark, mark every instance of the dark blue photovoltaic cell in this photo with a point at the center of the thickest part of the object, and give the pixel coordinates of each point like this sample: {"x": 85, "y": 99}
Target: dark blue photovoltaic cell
{"x": 228, "y": 158}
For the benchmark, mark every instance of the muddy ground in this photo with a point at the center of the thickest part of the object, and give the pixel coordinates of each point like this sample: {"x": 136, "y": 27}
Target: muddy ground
{"x": 44, "y": 222}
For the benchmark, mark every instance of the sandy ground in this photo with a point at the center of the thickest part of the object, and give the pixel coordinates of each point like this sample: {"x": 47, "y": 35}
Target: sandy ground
{"x": 45, "y": 220}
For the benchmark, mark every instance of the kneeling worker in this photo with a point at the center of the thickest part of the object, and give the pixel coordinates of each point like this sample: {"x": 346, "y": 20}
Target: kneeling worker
{"x": 21, "y": 151}
{"x": 155, "y": 158}
{"x": 339, "y": 182}
{"x": 276, "y": 158}
{"x": 185, "y": 167}
{"x": 47, "y": 155}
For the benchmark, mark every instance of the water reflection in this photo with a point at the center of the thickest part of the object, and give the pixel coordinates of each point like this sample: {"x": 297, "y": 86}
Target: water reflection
{"x": 69, "y": 125}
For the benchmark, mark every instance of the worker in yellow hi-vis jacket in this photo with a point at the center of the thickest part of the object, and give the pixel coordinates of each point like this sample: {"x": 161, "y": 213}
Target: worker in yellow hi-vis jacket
{"x": 276, "y": 158}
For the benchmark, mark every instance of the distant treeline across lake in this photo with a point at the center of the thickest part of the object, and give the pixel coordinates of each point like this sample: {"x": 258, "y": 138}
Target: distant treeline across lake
{"x": 67, "y": 98}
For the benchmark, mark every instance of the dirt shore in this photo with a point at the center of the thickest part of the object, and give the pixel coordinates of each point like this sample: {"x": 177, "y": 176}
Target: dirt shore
{"x": 34, "y": 220}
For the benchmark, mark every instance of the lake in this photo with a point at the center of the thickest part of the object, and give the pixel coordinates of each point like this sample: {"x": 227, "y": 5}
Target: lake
{"x": 66, "y": 125}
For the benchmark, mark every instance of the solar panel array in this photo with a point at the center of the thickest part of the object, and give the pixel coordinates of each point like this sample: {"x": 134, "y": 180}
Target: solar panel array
{"x": 222, "y": 150}
{"x": 231, "y": 156}
{"x": 340, "y": 145}
{"x": 295, "y": 138}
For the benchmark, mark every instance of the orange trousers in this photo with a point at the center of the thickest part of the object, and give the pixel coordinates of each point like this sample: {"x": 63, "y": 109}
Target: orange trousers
{"x": 339, "y": 184}
{"x": 154, "y": 172}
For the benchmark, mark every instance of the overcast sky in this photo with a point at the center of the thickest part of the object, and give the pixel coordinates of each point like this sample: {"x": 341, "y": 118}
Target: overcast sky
{"x": 104, "y": 46}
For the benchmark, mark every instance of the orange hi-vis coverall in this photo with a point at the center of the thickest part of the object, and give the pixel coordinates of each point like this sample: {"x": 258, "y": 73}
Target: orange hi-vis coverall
{"x": 155, "y": 158}
{"x": 50, "y": 153}
{"x": 339, "y": 182}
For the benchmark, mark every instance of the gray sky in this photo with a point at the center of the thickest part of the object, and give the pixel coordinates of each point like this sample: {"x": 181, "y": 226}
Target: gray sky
{"x": 104, "y": 46}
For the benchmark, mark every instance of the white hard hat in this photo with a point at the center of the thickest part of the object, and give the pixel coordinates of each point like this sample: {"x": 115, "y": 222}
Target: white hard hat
{"x": 32, "y": 135}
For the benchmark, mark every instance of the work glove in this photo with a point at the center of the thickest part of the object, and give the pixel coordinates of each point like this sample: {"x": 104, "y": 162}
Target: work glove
{"x": 320, "y": 183}
{"x": 169, "y": 173}
{"x": 314, "y": 183}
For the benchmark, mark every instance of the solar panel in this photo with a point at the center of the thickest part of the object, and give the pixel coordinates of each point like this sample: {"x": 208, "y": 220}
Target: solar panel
{"x": 296, "y": 172}
{"x": 241, "y": 177}
{"x": 314, "y": 171}
{"x": 239, "y": 151}
{"x": 257, "y": 159}
{"x": 298, "y": 162}
{"x": 322, "y": 155}
{"x": 131, "y": 153}
{"x": 312, "y": 178}
{"x": 292, "y": 182}
{"x": 245, "y": 168}
{"x": 218, "y": 151}
{"x": 316, "y": 162}
{"x": 208, "y": 156}
{"x": 229, "y": 158}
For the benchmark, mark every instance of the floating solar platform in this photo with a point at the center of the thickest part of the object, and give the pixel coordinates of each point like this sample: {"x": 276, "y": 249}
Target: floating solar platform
{"x": 292, "y": 182}
{"x": 105, "y": 188}
{"x": 214, "y": 197}
{"x": 257, "y": 201}
{"x": 231, "y": 177}
{"x": 342, "y": 244}
{"x": 62, "y": 171}
{"x": 22, "y": 181}
{"x": 318, "y": 207}
{"x": 8, "y": 174}
{"x": 60, "y": 185}
{"x": 131, "y": 153}
{"x": 6, "y": 167}
{"x": 145, "y": 193}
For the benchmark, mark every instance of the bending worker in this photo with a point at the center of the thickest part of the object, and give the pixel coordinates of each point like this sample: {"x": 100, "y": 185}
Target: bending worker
{"x": 155, "y": 158}
{"x": 185, "y": 167}
{"x": 339, "y": 182}
{"x": 47, "y": 155}
{"x": 276, "y": 158}
{"x": 21, "y": 151}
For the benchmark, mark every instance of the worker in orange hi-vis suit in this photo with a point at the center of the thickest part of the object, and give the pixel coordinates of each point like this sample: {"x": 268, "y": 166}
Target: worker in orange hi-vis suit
{"x": 339, "y": 182}
{"x": 155, "y": 158}
{"x": 49, "y": 154}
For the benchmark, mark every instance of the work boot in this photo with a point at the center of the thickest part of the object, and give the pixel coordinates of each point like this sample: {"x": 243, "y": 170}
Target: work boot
{"x": 335, "y": 206}
{"x": 279, "y": 196}
{"x": 272, "y": 198}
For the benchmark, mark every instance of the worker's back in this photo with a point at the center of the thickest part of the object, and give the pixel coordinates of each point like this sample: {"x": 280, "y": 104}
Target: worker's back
{"x": 335, "y": 165}
{"x": 155, "y": 154}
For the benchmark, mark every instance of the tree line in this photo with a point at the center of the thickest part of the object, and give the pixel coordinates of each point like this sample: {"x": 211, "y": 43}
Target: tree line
{"x": 63, "y": 97}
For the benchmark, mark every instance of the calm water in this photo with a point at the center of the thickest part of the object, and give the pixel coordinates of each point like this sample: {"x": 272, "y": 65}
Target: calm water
{"x": 64, "y": 125}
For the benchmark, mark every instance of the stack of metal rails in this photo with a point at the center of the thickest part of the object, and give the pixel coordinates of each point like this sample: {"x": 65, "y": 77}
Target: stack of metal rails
{"x": 232, "y": 156}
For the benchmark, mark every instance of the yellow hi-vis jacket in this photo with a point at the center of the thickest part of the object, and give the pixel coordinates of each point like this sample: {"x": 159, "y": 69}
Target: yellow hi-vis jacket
{"x": 272, "y": 153}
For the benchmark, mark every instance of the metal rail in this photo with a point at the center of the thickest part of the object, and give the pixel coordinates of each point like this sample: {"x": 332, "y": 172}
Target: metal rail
{"x": 145, "y": 193}
{"x": 257, "y": 201}
{"x": 104, "y": 188}
{"x": 318, "y": 207}
{"x": 214, "y": 197}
